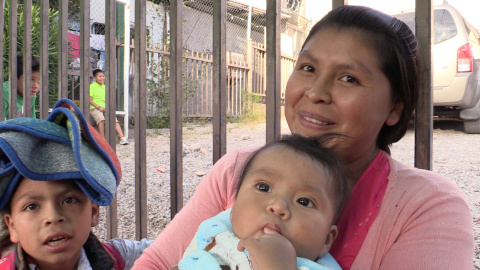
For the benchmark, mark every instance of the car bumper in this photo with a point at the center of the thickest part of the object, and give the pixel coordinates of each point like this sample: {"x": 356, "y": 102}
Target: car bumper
{"x": 462, "y": 92}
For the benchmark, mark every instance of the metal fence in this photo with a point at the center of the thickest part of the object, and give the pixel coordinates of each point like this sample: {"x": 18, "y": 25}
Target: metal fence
{"x": 258, "y": 71}
{"x": 56, "y": 56}
{"x": 197, "y": 83}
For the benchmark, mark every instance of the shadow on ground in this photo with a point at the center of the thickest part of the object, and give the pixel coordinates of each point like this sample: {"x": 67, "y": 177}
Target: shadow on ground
{"x": 447, "y": 124}
{"x": 444, "y": 124}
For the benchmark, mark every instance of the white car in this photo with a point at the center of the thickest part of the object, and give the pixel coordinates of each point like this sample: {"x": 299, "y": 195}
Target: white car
{"x": 456, "y": 65}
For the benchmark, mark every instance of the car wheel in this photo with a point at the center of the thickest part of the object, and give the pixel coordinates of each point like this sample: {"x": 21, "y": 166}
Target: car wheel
{"x": 472, "y": 126}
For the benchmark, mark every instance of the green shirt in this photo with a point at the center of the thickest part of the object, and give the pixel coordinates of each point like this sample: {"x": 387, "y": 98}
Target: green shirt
{"x": 97, "y": 92}
{"x": 6, "y": 102}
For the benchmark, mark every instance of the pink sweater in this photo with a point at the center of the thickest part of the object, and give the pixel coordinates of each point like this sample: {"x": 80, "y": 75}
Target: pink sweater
{"x": 423, "y": 222}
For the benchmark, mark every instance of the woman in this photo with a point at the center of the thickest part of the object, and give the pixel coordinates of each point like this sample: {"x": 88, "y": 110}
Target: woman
{"x": 357, "y": 74}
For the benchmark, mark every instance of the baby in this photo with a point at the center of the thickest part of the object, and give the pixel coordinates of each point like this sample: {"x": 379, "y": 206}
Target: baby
{"x": 288, "y": 199}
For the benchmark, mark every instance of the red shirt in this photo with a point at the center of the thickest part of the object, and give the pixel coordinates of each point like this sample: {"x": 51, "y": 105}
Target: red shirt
{"x": 361, "y": 208}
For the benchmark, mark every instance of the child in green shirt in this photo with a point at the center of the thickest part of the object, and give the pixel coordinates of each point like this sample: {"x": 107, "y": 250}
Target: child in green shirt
{"x": 97, "y": 105}
{"x": 35, "y": 88}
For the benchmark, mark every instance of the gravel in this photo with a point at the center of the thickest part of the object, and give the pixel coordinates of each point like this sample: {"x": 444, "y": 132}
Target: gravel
{"x": 455, "y": 155}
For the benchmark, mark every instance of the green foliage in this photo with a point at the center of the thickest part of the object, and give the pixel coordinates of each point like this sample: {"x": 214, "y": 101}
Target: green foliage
{"x": 251, "y": 113}
{"x": 73, "y": 8}
{"x": 158, "y": 85}
{"x": 35, "y": 45}
{"x": 155, "y": 122}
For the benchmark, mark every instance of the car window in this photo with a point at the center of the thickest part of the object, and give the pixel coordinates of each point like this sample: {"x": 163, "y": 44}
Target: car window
{"x": 443, "y": 24}
{"x": 472, "y": 32}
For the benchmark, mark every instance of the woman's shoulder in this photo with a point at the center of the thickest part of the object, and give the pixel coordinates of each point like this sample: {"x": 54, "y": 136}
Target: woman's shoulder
{"x": 405, "y": 179}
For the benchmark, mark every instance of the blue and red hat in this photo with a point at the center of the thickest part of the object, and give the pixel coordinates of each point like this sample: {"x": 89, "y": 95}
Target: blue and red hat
{"x": 63, "y": 147}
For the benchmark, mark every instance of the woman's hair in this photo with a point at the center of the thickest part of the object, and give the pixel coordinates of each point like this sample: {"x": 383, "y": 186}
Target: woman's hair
{"x": 397, "y": 50}
{"x": 317, "y": 148}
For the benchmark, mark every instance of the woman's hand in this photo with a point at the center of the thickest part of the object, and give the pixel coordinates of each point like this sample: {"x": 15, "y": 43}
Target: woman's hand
{"x": 271, "y": 251}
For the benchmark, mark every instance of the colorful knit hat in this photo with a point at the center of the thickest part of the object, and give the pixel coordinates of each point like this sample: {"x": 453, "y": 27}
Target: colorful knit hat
{"x": 62, "y": 147}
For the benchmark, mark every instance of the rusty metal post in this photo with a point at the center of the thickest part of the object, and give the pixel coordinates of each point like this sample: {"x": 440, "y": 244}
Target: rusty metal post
{"x": 219, "y": 80}
{"x": 2, "y": 49}
{"x": 27, "y": 58}
{"x": 44, "y": 32}
{"x": 85, "y": 69}
{"x": 273, "y": 70}
{"x": 63, "y": 51}
{"x": 110, "y": 101}
{"x": 424, "y": 109}
{"x": 176, "y": 107}
{"x": 140, "y": 118}
{"x": 12, "y": 58}
{"x": 338, "y": 3}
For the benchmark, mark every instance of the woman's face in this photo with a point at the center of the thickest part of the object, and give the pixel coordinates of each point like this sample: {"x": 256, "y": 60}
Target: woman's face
{"x": 337, "y": 86}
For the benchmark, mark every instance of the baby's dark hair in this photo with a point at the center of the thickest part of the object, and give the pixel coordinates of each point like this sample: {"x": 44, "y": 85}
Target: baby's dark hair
{"x": 35, "y": 65}
{"x": 317, "y": 148}
{"x": 96, "y": 71}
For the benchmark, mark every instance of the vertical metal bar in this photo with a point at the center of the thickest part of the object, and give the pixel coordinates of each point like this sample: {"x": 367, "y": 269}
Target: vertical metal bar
{"x": 219, "y": 80}
{"x": 2, "y": 49}
{"x": 210, "y": 86}
{"x": 27, "y": 58}
{"x": 176, "y": 107}
{"x": 85, "y": 58}
{"x": 110, "y": 82}
{"x": 63, "y": 51}
{"x": 110, "y": 102}
{"x": 229, "y": 86}
{"x": 273, "y": 70}
{"x": 264, "y": 67}
{"x": 424, "y": 109}
{"x": 338, "y": 3}
{"x": 126, "y": 69}
{"x": 202, "y": 85}
{"x": 44, "y": 32}
{"x": 198, "y": 93}
{"x": 249, "y": 65}
{"x": 140, "y": 118}
{"x": 12, "y": 66}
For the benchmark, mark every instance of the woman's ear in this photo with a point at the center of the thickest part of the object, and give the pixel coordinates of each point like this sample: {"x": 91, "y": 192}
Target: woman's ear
{"x": 395, "y": 114}
{"x": 95, "y": 214}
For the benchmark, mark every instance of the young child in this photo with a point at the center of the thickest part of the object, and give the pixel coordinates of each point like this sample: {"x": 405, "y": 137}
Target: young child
{"x": 35, "y": 88}
{"x": 288, "y": 199}
{"x": 97, "y": 105}
{"x": 54, "y": 174}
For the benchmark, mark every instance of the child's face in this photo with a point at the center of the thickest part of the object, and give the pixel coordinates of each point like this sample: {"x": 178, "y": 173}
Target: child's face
{"x": 100, "y": 78}
{"x": 35, "y": 84}
{"x": 288, "y": 192}
{"x": 51, "y": 220}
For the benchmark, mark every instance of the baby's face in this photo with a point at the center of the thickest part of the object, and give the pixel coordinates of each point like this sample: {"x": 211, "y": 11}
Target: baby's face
{"x": 51, "y": 220}
{"x": 288, "y": 192}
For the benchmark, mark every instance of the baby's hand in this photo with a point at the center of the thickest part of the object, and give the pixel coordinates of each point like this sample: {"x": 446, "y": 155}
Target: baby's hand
{"x": 271, "y": 251}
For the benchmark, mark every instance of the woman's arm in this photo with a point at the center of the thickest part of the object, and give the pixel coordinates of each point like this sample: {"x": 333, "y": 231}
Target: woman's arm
{"x": 423, "y": 223}
{"x": 214, "y": 194}
{"x": 438, "y": 236}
